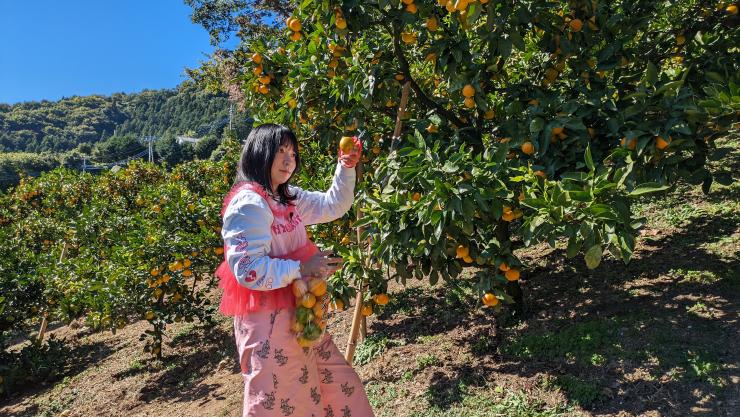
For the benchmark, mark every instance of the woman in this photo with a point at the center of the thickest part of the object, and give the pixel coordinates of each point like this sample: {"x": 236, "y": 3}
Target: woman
{"x": 266, "y": 248}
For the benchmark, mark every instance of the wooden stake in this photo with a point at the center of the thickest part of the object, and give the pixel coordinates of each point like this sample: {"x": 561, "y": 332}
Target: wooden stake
{"x": 358, "y": 320}
{"x": 349, "y": 352}
{"x": 42, "y": 329}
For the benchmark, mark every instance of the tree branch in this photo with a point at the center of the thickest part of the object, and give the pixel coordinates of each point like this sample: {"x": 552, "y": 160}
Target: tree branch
{"x": 429, "y": 103}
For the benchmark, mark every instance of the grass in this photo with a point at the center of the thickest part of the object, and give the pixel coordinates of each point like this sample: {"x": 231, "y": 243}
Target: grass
{"x": 184, "y": 333}
{"x": 373, "y": 346}
{"x": 587, "y": 343}
{"x": 653, "y": 346}
{"x": 694, "y": 276}
{"x": 701, "y": 310}
{"x": 579, "y": 391}
{"x": 57, "y": 406}
{"x": 136, "y": 366}
{"x": 704, "y": 367}
{"x": 382, "y": 394}
{"x": 426, "y": 361}
{"x": 489, "y": 403}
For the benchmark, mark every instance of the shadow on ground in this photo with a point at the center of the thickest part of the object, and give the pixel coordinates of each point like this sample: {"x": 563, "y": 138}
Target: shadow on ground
{"x": 636, "y": 338}
{"x": 182, "y": 380}
{"x": 78, "y": 359}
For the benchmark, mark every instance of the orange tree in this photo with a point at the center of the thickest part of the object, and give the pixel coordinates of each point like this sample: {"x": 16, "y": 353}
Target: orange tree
{"x": 529, "y": 121}
{"x": 140, "y": 243}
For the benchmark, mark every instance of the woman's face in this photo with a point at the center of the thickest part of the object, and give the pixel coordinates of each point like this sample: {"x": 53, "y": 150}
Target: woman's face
{"x": 282, "y": 166}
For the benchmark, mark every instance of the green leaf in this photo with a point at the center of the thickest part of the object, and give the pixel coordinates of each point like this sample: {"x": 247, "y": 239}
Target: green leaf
{"x": 589, "y": 159}
{"x": 723, "y": 178}
{"x": 573, "y": 246}
{"x": 651, "y": 75}
{"x": 517, "y": 40}
{"x": 364, "y": 221}
{"x": 593, "y": 256}
{"x": 536, "y": 125}
{"x": 719, "y": 153}
{"x": 584, "y": 196}
{"x": 647, "y": 188}
{"x": 450, "y": 168}
{"x": 627, "y": 245}
{"x": 576, "y": 176}
{"x": 433, "y": 277}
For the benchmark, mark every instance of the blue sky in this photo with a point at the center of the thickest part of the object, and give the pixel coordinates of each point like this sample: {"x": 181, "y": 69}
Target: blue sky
{"x": 54, "y": 49}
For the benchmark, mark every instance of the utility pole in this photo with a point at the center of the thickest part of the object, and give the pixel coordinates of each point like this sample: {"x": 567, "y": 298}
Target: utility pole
{"x": 150, "y": 140}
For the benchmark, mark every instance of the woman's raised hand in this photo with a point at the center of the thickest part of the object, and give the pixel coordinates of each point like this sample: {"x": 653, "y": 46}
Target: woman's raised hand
{"x": 350, "y": 156}
{"x": 321, "y": 265}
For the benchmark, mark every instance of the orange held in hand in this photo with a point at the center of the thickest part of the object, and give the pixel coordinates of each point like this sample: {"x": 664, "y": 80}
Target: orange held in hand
{"x": 317, "y": 286}
{"x": 299, "y": 288}
{"x": 346, "y": 144}
{"x": 350, "y": 151}
{"x": 308, "y": 300}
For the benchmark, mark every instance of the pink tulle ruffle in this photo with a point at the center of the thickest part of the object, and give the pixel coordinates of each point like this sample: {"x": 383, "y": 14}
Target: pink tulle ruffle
{"x": 238, "y": 300}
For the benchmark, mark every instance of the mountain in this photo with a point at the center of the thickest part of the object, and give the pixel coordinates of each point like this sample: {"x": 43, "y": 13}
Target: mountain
{"x": 66, "y": 124}
{"x": 38, "y": 136}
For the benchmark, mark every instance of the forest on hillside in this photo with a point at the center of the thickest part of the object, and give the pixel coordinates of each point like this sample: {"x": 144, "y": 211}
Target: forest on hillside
{"x": 37, "y": 136}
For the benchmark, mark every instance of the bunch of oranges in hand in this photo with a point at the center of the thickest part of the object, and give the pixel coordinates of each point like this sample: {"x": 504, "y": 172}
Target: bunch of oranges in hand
{"x": 311, "y": 304}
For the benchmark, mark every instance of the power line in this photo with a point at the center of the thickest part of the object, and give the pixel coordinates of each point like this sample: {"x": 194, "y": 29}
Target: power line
{"x": 97, "y": 167}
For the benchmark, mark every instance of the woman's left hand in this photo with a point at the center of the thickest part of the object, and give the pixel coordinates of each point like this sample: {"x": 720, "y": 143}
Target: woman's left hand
{"x": 349, "y": 160}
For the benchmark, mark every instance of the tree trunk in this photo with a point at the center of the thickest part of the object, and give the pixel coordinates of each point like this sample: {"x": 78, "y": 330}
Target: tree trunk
{"x": 513, "y": 289}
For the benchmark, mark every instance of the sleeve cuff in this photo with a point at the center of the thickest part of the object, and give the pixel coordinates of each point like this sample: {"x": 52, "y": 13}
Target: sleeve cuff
{"x": 345, "y": 171}
{"x": 294, "y": 272}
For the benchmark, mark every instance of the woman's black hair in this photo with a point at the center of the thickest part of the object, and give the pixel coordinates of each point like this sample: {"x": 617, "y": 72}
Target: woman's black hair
{"x": 258, "y": 153}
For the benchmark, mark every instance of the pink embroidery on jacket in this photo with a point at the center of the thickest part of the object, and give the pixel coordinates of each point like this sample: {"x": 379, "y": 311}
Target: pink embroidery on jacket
{"x": 293, "y": 222}
{"x": 241, "y": 242}
{"x": 244, "y": 263}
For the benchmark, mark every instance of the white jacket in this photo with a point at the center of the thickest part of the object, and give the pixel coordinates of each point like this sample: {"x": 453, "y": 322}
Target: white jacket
{"x": 255, "y": 232}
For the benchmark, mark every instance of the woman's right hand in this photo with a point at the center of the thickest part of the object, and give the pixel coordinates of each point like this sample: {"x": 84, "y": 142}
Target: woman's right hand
{"x": 321, "y": 265}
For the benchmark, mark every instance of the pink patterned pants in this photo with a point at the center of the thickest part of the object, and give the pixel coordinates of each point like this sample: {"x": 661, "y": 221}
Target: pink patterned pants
{"x": 283, "y": 379}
